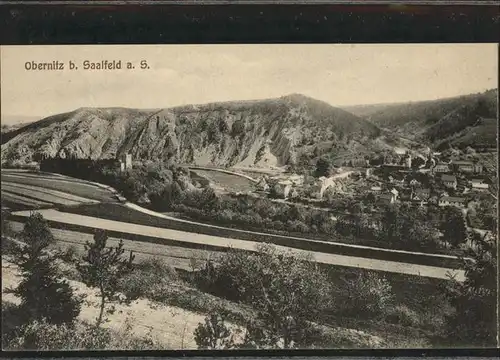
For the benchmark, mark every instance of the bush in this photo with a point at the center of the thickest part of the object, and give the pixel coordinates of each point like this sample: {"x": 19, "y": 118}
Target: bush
{"x": 214, "y": 333}
{"x": 402, "y": 315}
{"x": 148, "y": 280}
{"x": 70, "y": 254}
{"x": 367, "y": 295}
{"x": 287, "y": 293}
{"x": 40, "y": 335}
{"x": 298, "y": 226}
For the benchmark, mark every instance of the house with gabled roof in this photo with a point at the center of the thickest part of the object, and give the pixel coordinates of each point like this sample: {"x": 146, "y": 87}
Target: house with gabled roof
{"x": 421, "y": 194}
{"x": 450, "y": 181}
{"x": 452, "y": 201}
{"x": 441, "y": 168}
{"x": 479, "y": 184}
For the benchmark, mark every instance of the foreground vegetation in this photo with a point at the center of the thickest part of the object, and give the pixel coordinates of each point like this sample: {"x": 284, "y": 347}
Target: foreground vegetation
{"x": 265, "y": 299}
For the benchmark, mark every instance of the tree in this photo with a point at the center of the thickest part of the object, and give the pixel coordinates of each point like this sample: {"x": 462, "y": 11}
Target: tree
{"x": 391, "y": 225}
{"x": 44, "y": 295}
{"x": 214, "y": 333}
{"x": 454, "y": 228}
{"x": 288, "y": 293}
{"x": 209, "y": 200}
{"x": 474, "y": 321}
{"x": 238, "y": 128}
{"x": 5, "y": 228}
{"x": 103, "y": 268}
{"x": 213, "y": 133}
{"x": 323, "y": 167}
{"x": 223, "y": 126}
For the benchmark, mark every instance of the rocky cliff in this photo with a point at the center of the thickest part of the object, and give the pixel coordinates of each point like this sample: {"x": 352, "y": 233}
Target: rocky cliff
{"x": 264, "y": 133}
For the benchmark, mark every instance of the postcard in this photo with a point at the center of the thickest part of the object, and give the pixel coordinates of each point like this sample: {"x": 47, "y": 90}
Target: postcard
{"x": 252, "y": 196}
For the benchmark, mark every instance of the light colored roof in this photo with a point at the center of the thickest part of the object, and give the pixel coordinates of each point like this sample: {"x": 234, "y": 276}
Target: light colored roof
{"x": 394, "y": 191}
{"x": 423, "y": 191}
{"x": 452, "y": 199}
{"x": 385, "y": 197}
{"x": 448, "y": 178}
{"x": 462, "y": 162}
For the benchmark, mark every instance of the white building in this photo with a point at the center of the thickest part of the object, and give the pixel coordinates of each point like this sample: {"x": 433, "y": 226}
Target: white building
{"x": 452, "y": 201}
{"x": 262, "y": 184}
{"x": 479, "y": 184}
{"x": 125, "y": 162}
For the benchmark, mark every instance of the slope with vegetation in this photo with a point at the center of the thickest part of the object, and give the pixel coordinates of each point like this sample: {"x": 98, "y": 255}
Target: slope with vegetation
{"x": 462, "y": 121}
{"x": 267, "y": 299}
{"x": 263, "y": 133}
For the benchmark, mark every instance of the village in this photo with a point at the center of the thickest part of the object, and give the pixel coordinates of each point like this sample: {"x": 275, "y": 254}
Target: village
{"x": 432, "y": 179}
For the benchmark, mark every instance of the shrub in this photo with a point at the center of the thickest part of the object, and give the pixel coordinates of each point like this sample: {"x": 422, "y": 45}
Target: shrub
{"x": 298, "y": 226}
{"x": 148, "y": 280}
{"x": 367, "y": 294}
{"x": 40, "y": 335}
{"x": 402, "y": 315}
{"x": 70, "y": 254}
{"x": 287, "y": 293}
{"x": 214, "y": 333}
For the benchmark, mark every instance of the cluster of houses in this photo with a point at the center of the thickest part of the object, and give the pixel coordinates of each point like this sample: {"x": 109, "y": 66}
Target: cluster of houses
{"x": 288, "y": 186}
{"x": 458, "y": 166}
{"x": 393, "y": 183}
{"x": 460, "y": 177}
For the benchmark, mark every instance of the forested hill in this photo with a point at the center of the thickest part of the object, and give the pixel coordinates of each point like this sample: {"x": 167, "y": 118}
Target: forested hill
{"x": 459, "y": 121}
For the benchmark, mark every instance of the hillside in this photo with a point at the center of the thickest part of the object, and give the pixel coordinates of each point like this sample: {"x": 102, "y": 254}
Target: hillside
{"x": 460, "y": 121}
{"x": 16, "y": 120}
{"x": 11, "y": 123}
{"x": 262, "y": 133}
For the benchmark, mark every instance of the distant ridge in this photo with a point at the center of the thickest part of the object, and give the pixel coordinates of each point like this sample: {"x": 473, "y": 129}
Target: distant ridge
{"x": 263, "y": 133}
{"x": 457, "y": 121}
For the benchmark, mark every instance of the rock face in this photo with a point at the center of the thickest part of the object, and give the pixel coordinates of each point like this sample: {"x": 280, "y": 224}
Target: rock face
{"x": 263, "y": 133}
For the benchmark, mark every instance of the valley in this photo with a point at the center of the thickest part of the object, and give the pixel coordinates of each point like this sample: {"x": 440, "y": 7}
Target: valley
{"x": 380, "y": 208}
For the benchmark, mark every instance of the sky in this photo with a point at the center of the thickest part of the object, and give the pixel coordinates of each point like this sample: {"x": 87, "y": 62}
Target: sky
{"x": 341, "y": 75}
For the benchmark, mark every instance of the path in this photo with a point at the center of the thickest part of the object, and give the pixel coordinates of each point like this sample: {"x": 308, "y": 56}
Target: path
{"x": 201, "y": 240}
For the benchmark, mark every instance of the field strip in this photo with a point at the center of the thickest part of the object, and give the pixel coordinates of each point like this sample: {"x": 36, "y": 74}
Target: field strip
{"x": 39, "y": 195}
{"x": 53, "y": 179}
{"x": 220, "y": 242}
{"x": 22, "y": 200}
{"x": 154, "y": 213}
{"x": 229, "y": 172}
{"x": 57, "y": 193}
{"x": 151, "y": 249}
{"x": 51, "y": 176}
{"x": 85, "y": 190}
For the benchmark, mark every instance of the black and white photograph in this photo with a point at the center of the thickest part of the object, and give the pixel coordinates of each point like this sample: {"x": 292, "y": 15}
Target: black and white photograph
{"x": 249, "y": 196}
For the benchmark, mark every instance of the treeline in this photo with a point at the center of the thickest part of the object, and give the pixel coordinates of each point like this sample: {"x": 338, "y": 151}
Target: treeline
{"x": 395, "y": 226}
